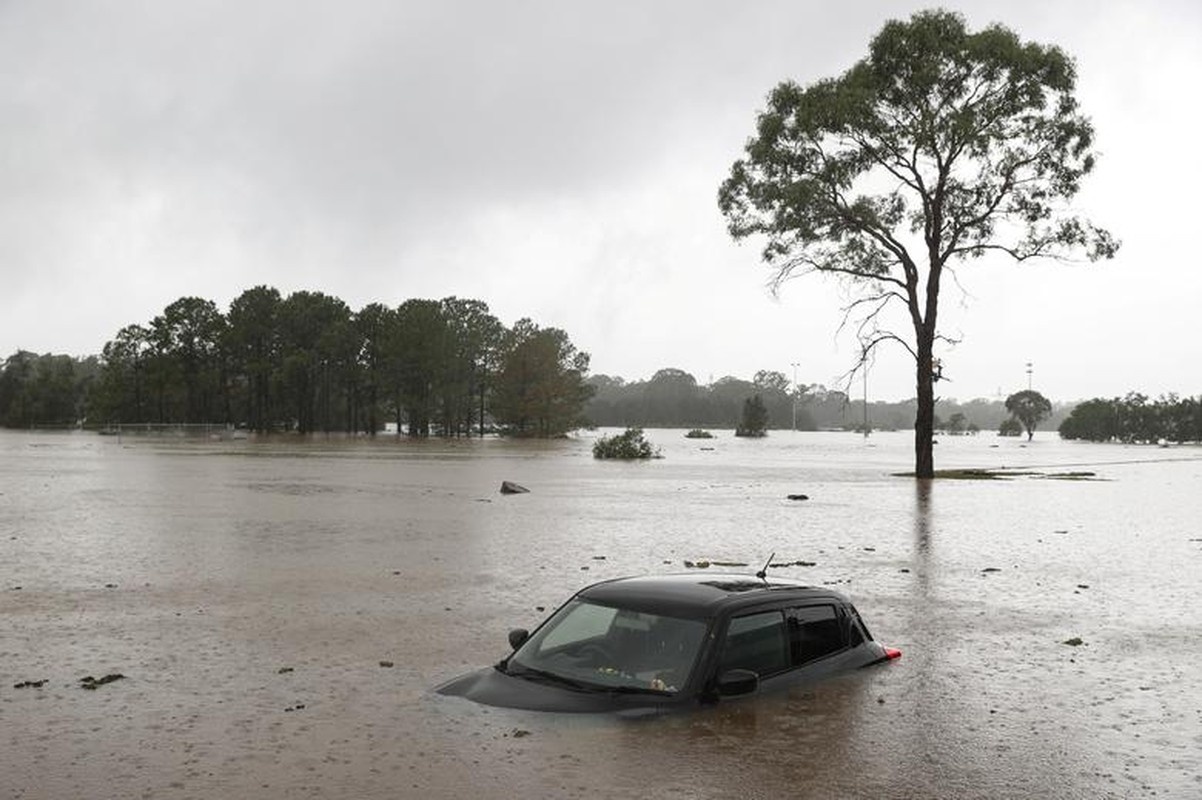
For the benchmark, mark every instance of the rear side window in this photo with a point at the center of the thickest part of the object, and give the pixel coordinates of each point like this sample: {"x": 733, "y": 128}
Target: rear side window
{"x": 814, "y": 632}
{"x": 756, "y": 642}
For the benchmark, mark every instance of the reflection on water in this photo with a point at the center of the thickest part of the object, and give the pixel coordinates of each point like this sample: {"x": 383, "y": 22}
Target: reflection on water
{"x": 253, "y": 593}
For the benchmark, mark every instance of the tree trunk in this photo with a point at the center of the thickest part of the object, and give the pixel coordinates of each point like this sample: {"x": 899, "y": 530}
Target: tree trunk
{"x": 924, "y": 422}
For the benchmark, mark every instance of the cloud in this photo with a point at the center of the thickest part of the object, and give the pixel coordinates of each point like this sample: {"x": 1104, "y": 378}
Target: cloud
{"x": 557, "y": 160}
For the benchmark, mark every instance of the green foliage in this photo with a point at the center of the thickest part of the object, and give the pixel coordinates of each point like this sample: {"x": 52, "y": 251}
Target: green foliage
{"x": 672, "y": 398}
{"x": 630, "y": 444}
{"x": 1133, "y": 419}
{"x": 980, "y": 144}
{"x": 755, "y": 418}
{"x": 1030, "y": 408}
{"x": 307, "y": 362}
{"x": 45, "y": 390}
{"x": 957, "y": 424}
{"x": 540, "y": 389}
{"x": 1010, "y": 427}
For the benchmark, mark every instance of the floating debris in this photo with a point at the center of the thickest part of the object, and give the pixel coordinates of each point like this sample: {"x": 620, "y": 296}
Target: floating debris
{"x": 386, "y": 664}
{"x": 88, "y": 682}
{"x": 283, "y": 670}
{"x": 1076, "y": 641}
{"x": 797, "y": 496}
{"x": 992, "y": 569}
{"x": 30, "y": 684}
{"x": 509, "y": 487}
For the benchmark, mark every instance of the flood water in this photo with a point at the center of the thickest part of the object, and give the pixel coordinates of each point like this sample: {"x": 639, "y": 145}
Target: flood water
{"x": 252, "y": 594}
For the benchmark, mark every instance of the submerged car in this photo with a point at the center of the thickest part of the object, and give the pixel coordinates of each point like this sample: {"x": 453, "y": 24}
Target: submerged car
{"x": 664, "y": 643}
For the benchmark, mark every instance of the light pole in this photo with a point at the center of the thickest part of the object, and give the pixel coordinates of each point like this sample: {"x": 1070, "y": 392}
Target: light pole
{"x": 1029, "y": 376}
{"x": 795, "y": 364}
{"x": 865, "y": 400}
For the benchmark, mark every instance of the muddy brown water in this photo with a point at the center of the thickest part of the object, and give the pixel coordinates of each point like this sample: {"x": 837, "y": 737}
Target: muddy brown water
{"x": 249, "y": 592}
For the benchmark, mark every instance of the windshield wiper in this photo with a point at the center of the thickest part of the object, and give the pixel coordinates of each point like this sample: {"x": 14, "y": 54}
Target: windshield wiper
{"x": 530, "y": 673}
{"x": 638, "y": 690}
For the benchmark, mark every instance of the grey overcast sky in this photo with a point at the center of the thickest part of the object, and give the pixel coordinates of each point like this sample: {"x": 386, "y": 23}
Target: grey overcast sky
{"x": 558, "y": 160}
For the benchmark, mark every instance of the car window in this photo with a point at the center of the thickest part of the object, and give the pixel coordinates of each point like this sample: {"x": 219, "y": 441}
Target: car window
{"x": 814, "y": 632}
{"x": 614, "y": 647}
{"x": 581, "y": 621}
{"x": 756, "y": 642}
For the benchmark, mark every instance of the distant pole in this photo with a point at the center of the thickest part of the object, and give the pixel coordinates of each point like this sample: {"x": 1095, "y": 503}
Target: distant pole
{"x": 865, "y": 401}
{"x": 795, "y": 364}
{"x": 1029, "y": 365}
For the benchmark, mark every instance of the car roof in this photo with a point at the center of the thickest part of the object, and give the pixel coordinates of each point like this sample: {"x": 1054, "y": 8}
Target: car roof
{"x": 697, "y": 595}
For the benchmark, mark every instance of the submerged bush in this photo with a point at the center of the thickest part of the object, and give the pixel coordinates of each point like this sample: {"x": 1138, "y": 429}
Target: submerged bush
{"x": 630, "y": 444}
{"x": 698, "y": 433}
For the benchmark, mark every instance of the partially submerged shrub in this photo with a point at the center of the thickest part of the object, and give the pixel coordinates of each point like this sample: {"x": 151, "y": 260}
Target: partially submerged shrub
{"x": 697, "y": 433}
{"x": 630, "y": 444}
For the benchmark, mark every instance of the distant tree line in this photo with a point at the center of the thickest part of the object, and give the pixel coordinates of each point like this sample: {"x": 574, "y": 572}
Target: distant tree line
{"x": 307, "y": 362}
{"x": 1134, "y": 418}
{"x": 48, "y": 390}
{"x": 672, "y": 398}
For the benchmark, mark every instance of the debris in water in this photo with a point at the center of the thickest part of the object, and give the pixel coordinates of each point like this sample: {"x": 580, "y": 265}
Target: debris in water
{"x": 386, "y": 664}
{"x": 88, "y": 682}
{"x": 283, "y": 670}
{"x": 798, "y": 496}
{"x": 1076, "y": 641}
{"x": 992, "y": 569}
{"x": 30, "y": 684}
{"x": 509, "y": 487}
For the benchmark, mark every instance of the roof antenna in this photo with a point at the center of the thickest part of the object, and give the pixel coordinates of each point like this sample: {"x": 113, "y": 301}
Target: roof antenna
{"x": 763, "y": 573}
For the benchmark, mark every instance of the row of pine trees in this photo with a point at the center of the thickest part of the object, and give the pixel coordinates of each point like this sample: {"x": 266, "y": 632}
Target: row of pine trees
{"x": 307, "y": 362}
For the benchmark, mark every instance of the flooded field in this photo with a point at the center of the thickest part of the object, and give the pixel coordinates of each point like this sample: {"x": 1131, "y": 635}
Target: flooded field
{"x": 280, "y": 610}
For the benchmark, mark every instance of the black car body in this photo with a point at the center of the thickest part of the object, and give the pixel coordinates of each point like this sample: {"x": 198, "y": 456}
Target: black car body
{"x": 664, "y": 643}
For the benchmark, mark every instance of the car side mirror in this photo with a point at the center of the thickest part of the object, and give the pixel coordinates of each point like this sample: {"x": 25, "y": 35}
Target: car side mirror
{"x": 518, "y": 637}
{"x": 735, "y": 682}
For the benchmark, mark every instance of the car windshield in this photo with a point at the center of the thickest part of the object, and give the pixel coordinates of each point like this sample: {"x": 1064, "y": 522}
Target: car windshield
{"x": 612, "y": 648}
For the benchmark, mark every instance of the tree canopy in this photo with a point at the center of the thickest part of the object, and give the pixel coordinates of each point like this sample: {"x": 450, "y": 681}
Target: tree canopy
{"x": 1030, "y": 408}
{"x": 307, "y": 362}
{"x": 941, "y": 145}
{"x": 1135, "y": 418}
{"x": 754, "y": 422}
